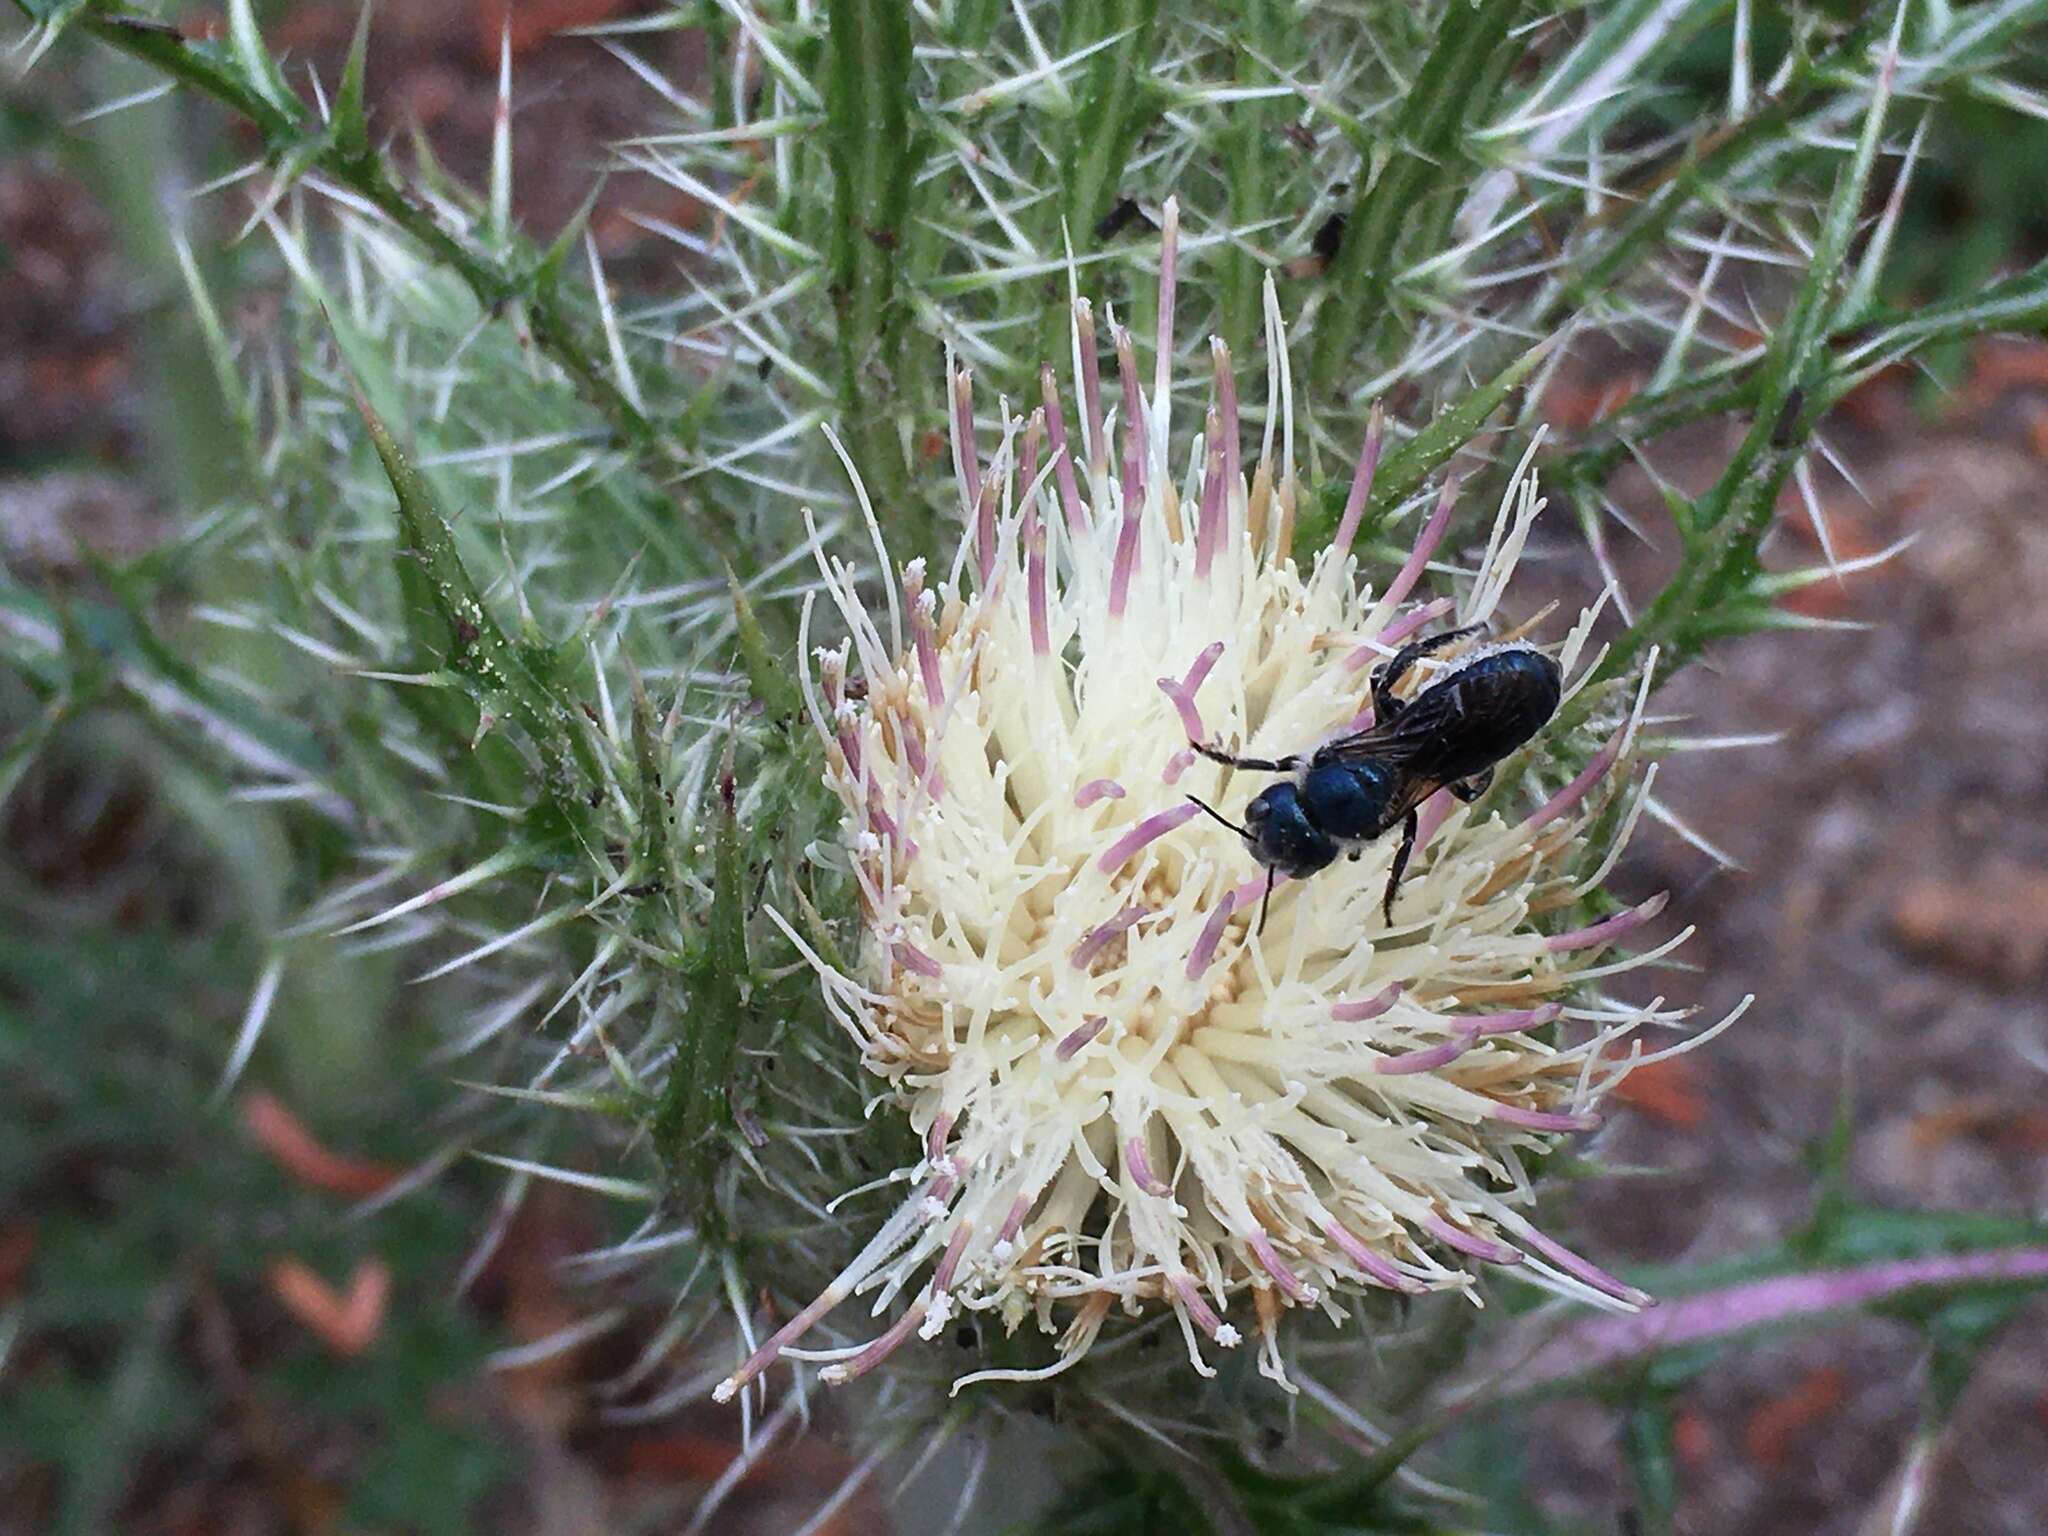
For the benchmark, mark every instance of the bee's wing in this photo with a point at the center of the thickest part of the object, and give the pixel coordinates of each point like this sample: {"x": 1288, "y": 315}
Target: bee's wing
{"x": 1407, "y": 741}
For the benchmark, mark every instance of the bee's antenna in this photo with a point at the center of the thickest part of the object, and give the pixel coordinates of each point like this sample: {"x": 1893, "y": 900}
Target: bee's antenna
{"x": 1240, "y": 831}
{"x": 1266, "y": 900}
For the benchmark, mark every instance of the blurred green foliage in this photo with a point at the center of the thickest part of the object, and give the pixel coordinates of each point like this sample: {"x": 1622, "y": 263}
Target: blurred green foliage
{"x": 142, "y": 1327}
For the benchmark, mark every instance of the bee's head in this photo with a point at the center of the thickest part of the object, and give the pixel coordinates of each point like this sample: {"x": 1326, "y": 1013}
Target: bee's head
{"x": 1281, "y": 835}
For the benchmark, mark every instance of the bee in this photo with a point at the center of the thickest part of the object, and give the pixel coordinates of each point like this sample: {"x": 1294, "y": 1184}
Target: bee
{"x": 1358, "y": 787}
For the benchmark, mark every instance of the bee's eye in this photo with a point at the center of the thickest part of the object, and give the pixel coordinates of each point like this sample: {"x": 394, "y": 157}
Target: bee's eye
{"x": 1257, "y": 812}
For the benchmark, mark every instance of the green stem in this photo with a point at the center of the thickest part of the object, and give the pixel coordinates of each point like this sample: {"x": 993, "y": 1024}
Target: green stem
{"x": 1419, "y": 160}
{"x": 1644, "y": 211}
{"x": 867, "y": 122}
{"x": 1114, "y": 97}
{"x": 1255, "y": 181}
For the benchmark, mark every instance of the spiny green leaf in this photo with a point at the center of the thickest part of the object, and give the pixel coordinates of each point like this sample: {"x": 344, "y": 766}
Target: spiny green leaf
{"x": 769, "y": 678}
{"x": 471, "y": 640}
{"x": 258, "y": 69}
{"x": 1405, "y": 468}
{"x": 696, "y": 1105}
{"x": 2019, "y": 303}
{"x": 349, "y": 121}
{"x": 656, "y": 809}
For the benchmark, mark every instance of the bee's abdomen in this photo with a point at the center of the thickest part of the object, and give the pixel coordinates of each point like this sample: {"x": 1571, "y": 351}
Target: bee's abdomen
{"x": 1503, "y": 699}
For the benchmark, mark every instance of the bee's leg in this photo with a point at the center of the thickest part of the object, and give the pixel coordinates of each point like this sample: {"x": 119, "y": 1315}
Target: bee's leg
{"x": 1384, "y": 705}
{"x": 1409, "y": 829}
{"x": 1263, "y": 764}
{"x": 1471, "y": 789}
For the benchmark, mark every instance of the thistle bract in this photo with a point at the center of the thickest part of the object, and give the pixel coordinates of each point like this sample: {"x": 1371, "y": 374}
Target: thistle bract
{"x": 1130, "y": 1093}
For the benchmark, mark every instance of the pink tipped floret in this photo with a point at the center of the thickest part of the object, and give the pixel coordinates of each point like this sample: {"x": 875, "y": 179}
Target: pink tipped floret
{"x": 1509, "y": 1023}
{"x": 1140, "y": 1168}
{"x": 936, "y": 1134}
{"x": 1091, "y": 390}
{"x": 1428, "y": 1060}
{"x": 965, "y": 465}
{"x": 1135, "y": 423}
{"x": 1543, "y": 1119}
{"x": 899, "y": 1333}
{"x": 1575, "y": 791}
{"x": 1035, "y": 584}
{"x": 1154, "y": 826}
{"x": 1203, "y": 665}
{"x": 907, "y": 732}
{"x": 1177, "y": 765}
{"x": 928, "y": 661}
{"x": 1609, "y": 929}
{"x": 1382, "y": 644}
{"x": 1098, "y": 789}
{"x": 1027, "y": 460}
{"x": 1361, "y": 487}
{"x": 1063, "y": 459}
{"x": 1211, "y": 935}
{"x": 1126, "y": 560}
{"x": 1269, "y": 1260}
{"x": 942, "y": 1277}
{"x": 911, "y": 958}
{"x": 1368, "y": 1262}
{"x": 1580, "y": 1269}
{"x": 1369, "y": 1008}
{"x": 1014, "y": 1222}
{"x": 1435, "y": 812}
{"x": 779, "y": 1340}
{"x": 1098, "y": 938}
{"x": 1133, "y": 476}
{"x": 1414, "y": 619}
{"x": 1469, "y": 1243}
{"x": 985, "y": 536}
{"x": 1184, "y": 701}
{"x": 1072, "y": 1042}
{"x": 1234, "y": 901}
{"x": 883, "y": 823}
{"x": 923, "y": 605}
{"x": 1031, "y": 535}
{"x": 1214, "y": 509}
{"x": 1255, "y": 890}
{"x": 1199, "y": 1311}
{"x": 849, "y": 747}
{"x": 1425, "y": 546}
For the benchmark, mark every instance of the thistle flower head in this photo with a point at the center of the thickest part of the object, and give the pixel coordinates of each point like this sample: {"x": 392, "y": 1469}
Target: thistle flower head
{"x": 1130, "y": 1091}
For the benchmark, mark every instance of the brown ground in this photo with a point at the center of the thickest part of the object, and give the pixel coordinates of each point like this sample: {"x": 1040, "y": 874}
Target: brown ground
{"x": 1891, "y": 911}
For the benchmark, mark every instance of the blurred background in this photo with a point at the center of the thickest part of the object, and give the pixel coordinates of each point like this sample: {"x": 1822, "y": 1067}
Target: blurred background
{"x": 256, "y": 1312}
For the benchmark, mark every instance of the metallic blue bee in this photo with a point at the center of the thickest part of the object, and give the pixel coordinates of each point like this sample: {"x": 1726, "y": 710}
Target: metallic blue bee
{"x": 1359, "y": 787}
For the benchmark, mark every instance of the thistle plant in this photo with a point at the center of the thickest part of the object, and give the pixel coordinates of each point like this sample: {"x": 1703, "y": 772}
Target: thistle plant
{"x": 764, "y": 713}
{"x": 1128, "y": 1090}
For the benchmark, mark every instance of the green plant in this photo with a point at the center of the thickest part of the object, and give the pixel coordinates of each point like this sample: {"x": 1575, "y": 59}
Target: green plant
{"x": 505, "y": 618}
{"x": 136, "y": 1217}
